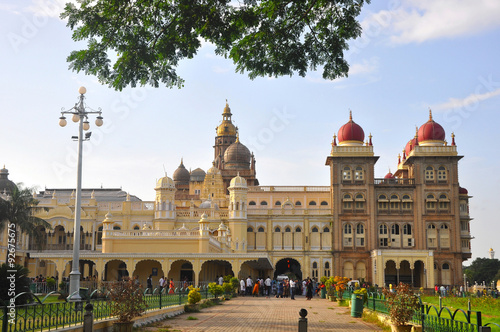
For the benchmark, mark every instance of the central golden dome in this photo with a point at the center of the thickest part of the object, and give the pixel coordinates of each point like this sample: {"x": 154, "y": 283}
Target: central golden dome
{"x": 226, "y": 127}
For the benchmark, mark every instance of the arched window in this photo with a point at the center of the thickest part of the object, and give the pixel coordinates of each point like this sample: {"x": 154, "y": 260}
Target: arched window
{"x": 407, "y": 229}
{"x": 116, "y": 228}
{"x": 298, "y": 203}
{"x": 395, "y": 229}
{"x": 360, "y": 235}
{"x": 431, "y": 236}
{"x": 359, "y": 202}
{"x": 277, "y": 203}
{"x": 315, "y": 265}
{"x": 277, "y": 230}
{"x": 288, "y": 229}
{"x": 444, "y": 202}
{"x": 430, "y": 202}
{"x": 252, "y": 203}
{"x": 441, "y": 174}
{"x": 136, "y": 228}
{"x": 382, "y": 202}
{"x": 327, "y": 269}
{"x": 315, "y": 229}
{"x": 324, "y": 203}
{"x": 382, "y": 229}
{"x": 312, "y": 203}
{"x": 429, "y": 173}
{"x": 298, "y": 230}
{"x": 346, "y": 173}
{"x": 347, "y": 201}
{"x": 347, "y": 235}
{"x": 261, "y": 229}
{"x": 326, "y": 230}
{"x": 446, "y": 266}
{"x": 358, "y": 173}
{"x": 249, "y": 230}
{"x": 407, "y": 203}
{"x": 315, "y": 269}
{"x": 263, "y": 203}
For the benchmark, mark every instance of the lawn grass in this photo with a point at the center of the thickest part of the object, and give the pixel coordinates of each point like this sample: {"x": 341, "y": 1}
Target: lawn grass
{"x": 488, "y": 306}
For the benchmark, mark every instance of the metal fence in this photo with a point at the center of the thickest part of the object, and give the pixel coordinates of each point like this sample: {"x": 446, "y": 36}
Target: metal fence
{"x": 42, "y": 316}
{"x": 434, "y": 319}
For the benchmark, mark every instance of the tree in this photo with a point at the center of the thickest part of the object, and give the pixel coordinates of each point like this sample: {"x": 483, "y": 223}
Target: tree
{"x": 20, "y": 209}
{"x": 147, "y": 38}
{"x": 482, "y": 269}
{"x": 14, "y": 283}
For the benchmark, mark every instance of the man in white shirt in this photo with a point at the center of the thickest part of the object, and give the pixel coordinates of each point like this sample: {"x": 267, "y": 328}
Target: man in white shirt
{"x": 249, "y": 285}
{"x": 267, "y": 283}
{"x": 292, "y": 289}
{"x": 162, "y": 283}
{"x": 221, "y": 280}
{"x": 242, "y": 287}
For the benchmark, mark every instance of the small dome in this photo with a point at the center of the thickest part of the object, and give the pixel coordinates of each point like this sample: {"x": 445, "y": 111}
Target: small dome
{"x": 165, "y": 183}
{"x": 238, "y": 182}
{"x": 208, "y": 204}
{"x": 389, "y": 175}
{"x": 431, "y": 132}
{"x": 222, "y": 227}
{"x": 5, "y": 184}
{"x": 237, "y": 155}
{"x": 213, "y": 170}
{"x": 181, "y": 174}
{"x": 198, "y": 175}
{"x": 463, "y": 191}
{"x": 410, "y": 146}
{"x": 351, "y": 133}
{"x": 226, "y": 128}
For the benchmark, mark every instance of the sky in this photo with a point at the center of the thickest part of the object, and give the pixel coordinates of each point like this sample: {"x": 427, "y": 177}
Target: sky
{"x": 413, "y": 55}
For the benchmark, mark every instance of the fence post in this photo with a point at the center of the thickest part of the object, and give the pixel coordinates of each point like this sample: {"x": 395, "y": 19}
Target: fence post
{"x": 88, "y": 318}
{"x": 484, "y": 329}
{"x": 479, "y": 319}
{"x": 160, "y": 297}
{"x": 303, "y": 320}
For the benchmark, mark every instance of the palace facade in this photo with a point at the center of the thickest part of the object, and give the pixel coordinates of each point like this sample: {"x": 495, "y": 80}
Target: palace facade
{"x": 410, "y": 226}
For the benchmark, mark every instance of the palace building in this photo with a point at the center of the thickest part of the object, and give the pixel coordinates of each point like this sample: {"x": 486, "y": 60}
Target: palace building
{"x": 411, "y": 226}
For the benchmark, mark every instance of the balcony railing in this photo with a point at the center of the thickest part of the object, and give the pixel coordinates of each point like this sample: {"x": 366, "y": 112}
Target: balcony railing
{"x": 394, "y": 182}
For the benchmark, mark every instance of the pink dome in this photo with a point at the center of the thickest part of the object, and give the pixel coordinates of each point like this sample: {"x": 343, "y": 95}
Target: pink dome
{"x": 351, "y": 131}
{"x": 431, "y": 131}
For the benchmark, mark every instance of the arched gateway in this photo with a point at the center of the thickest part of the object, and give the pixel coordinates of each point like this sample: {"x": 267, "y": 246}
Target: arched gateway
{"x": 288, "y": 266}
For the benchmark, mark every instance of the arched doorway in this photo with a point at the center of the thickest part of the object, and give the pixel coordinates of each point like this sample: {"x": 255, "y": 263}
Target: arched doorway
{"x": 145, "y": 268}
{"x": 289, "y": 267}
{"x": 405, "y": 273}
{"x": 390, "y": 275}
{"x": 418, "y": 275}
{"x": 181, "y": 270}
{"x": 211, "y": 269}
{"x": 115, "y": 270}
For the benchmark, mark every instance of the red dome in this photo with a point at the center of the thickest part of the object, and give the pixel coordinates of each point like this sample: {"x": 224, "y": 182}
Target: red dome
{"x": 431, "y": 131}
{"x": 351, "y": 131}
{"x": 410, "y": 146}
{"x": 389, "y": 176}
{"x": 462, "y": 191}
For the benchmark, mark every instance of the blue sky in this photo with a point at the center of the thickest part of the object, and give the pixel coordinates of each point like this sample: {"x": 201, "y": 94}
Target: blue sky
{"x": 413, "y": 55}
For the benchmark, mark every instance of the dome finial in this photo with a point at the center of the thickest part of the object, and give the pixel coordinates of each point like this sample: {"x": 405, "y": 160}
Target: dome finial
{"x": 452, "y": 139}
{"x": 182, "y": 160}
{"x": 237, "y": 137}
{"x": 430, "y": 114}
{"x": 350, "y": 115}
{"x": 399, "y": 158}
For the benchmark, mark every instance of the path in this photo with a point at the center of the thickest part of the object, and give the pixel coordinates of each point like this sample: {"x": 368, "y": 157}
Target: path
{"x": 255, "y": 314}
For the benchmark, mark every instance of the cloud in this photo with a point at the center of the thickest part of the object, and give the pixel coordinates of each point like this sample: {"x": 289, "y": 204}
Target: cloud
{"x": 417, "y": 21}
{"x": 467, "y": 101}
{"x": 48, "y": 8}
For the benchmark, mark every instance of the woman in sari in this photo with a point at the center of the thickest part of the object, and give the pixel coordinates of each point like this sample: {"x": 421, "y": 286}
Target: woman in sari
{"x": 309, "y": 293}
{"x": 171, "y": 287}
{"x": 256, "y": 289}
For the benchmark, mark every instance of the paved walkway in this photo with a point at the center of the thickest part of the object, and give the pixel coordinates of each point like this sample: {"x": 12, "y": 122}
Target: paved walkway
{"x": 257, "y": 314}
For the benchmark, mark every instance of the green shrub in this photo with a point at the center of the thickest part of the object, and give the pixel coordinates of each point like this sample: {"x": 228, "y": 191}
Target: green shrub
{"x": 215, "y": 289}
{"x": 235, "y": 283}
{"x": 194, "y": 295}
{"x": 22, "y": 283}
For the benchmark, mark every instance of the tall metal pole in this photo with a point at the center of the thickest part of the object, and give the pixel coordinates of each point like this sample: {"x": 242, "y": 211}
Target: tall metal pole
{"x": 79, "y": 113}
{"x": 74, "y": 276}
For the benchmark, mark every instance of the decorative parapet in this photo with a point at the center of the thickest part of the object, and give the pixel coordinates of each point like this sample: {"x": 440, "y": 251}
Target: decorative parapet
{"x": 289, "y": 189}
{"x": 345, "y": 151}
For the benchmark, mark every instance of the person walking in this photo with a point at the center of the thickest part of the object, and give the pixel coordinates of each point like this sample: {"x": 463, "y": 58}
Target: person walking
{"x": 309, "y": 292}
{"x": 292, "y": 289}
{"x": 256, "y": 288}
{"x": 267, "y": 283}
{"x": 161, "y": 283}
{"x": 249, "y": 285}
{"x": 242, "y": 287}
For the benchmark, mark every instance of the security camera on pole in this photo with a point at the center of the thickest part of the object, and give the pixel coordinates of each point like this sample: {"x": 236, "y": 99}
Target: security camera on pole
{"x": 79, "y": 114}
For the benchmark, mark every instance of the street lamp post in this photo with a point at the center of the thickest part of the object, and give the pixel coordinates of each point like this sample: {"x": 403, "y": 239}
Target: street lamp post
{"x": 79, "y": 114}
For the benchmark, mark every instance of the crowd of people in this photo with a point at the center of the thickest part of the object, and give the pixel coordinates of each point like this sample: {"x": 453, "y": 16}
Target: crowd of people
{"x": 279, "y": 288}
